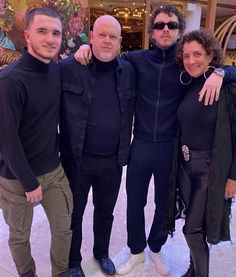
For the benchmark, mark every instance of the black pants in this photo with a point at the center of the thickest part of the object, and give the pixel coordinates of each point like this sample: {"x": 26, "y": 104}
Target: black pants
{"x": 103, "y": 174}
{"x": 147, "y": 158}
{"x": 194, "y": 179}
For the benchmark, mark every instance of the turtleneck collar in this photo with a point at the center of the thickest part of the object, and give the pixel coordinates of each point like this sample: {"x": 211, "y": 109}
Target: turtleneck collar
{"x": 198, "y": 81}
{"x": 105, "y": 66}
{"x": 33, "y": 63}
{"x": 200, "y": 77}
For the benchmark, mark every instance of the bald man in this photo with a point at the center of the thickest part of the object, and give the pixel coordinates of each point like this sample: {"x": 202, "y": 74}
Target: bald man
{"x": 96, "y": 121}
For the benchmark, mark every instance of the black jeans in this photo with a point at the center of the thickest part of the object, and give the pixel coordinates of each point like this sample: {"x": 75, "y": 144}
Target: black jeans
{"x": 147, "y": 159}
{"x": 194, "y": 184}
{"x": 103, "y": 174}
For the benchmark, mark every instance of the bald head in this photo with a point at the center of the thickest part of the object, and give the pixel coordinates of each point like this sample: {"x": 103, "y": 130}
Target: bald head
{"x": 109, "y": 20}
{"x": 106, "y": 38}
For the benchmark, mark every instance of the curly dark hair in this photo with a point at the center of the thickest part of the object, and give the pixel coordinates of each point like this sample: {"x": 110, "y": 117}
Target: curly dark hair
{"x": 170, "y": 10}
{"x": 208, "y": 41}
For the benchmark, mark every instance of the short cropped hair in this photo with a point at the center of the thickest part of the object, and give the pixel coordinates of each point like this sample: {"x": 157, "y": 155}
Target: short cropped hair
{"x": 170, "y": 10}
{"x": 40, "y": 11}
{"x": 208, "y": 41}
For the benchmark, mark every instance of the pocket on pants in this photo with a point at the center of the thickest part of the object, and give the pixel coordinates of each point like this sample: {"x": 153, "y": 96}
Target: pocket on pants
{"x": 57, "y": 203}
{"x": 17, "y": 216}
{"x": 67, "y": 193}
{"x": 57, "y": 197}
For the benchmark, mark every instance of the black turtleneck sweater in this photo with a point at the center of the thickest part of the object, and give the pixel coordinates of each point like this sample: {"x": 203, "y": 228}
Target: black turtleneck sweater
{"x": 103, "y": 127}
{"x": 197, "y": 121}
{"x": 29, "y": 106}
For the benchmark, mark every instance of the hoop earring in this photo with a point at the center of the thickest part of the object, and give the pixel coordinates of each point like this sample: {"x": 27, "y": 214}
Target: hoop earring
{"x": 208, "y": 69}
{"x": 181, "y": 76}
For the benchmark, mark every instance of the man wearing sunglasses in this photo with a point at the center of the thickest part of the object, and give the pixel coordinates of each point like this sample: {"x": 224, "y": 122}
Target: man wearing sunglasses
{"x": 158, "y": 94}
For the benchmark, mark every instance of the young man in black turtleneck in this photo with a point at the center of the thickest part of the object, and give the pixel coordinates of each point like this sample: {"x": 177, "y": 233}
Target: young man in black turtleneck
{"x": 30, "y": 169}
{"x": 96, "y": 121}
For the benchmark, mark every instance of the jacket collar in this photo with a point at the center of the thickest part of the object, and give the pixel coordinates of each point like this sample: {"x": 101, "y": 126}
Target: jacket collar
{"x": 161, "y": 55}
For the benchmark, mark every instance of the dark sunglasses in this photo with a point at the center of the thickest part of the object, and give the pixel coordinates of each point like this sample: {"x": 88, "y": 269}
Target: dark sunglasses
{"x": 161, "y": 25}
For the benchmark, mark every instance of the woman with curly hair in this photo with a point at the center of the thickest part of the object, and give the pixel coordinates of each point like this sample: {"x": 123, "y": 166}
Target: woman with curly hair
{"x": 207, "y": 160}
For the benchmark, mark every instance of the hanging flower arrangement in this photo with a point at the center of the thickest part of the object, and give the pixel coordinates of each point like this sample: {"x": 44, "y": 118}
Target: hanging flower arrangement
{"x": 16, "y": 9}
{"x": 76, "y": 26}
{"x": 73, "y": 17}
{"x": 2, "y": 7}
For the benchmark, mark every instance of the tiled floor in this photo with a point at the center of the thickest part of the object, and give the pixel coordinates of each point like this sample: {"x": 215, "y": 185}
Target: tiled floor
{"x": 223, "y": 256}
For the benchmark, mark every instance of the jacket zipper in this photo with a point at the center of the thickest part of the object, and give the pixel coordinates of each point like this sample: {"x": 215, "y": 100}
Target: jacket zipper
{"x": 158, "y": 98}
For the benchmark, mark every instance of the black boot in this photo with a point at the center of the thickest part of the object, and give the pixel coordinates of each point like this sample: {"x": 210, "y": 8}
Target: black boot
{"x": 199, "y": 253}
{"x": 191, "y": 271}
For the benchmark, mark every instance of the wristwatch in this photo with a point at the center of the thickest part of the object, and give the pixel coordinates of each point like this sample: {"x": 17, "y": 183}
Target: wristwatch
{"x": 220, "y": 72}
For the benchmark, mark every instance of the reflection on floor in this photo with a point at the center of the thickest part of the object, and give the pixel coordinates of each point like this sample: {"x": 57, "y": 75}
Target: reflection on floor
{"x": 223, "y": 256}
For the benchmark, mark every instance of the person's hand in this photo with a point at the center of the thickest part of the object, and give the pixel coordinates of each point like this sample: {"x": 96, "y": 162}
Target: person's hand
{"x": 34, "y": 195}
{"x": 84, "y": 54}
{"x": 211, "y": 89}
{"x": 230, "y": 189}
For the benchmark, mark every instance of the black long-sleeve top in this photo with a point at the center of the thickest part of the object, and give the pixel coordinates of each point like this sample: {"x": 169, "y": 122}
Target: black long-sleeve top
{"x": 29, "y": 108}
{"x": 197, "y": 121}
{"x": 104, "y": 118}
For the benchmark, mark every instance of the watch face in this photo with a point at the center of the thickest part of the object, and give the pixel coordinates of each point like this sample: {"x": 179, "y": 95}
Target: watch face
{"x": 220, "y": 72}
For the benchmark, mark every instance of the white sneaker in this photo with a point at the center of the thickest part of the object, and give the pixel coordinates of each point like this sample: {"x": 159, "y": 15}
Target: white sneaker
{"x": 130, "y": 263}
{"x": 160, "y": 262}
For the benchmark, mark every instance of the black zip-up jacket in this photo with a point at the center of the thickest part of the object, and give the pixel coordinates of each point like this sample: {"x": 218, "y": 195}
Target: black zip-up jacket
{"x": 157, "y": 99}
{"x": 78, "y": 85}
